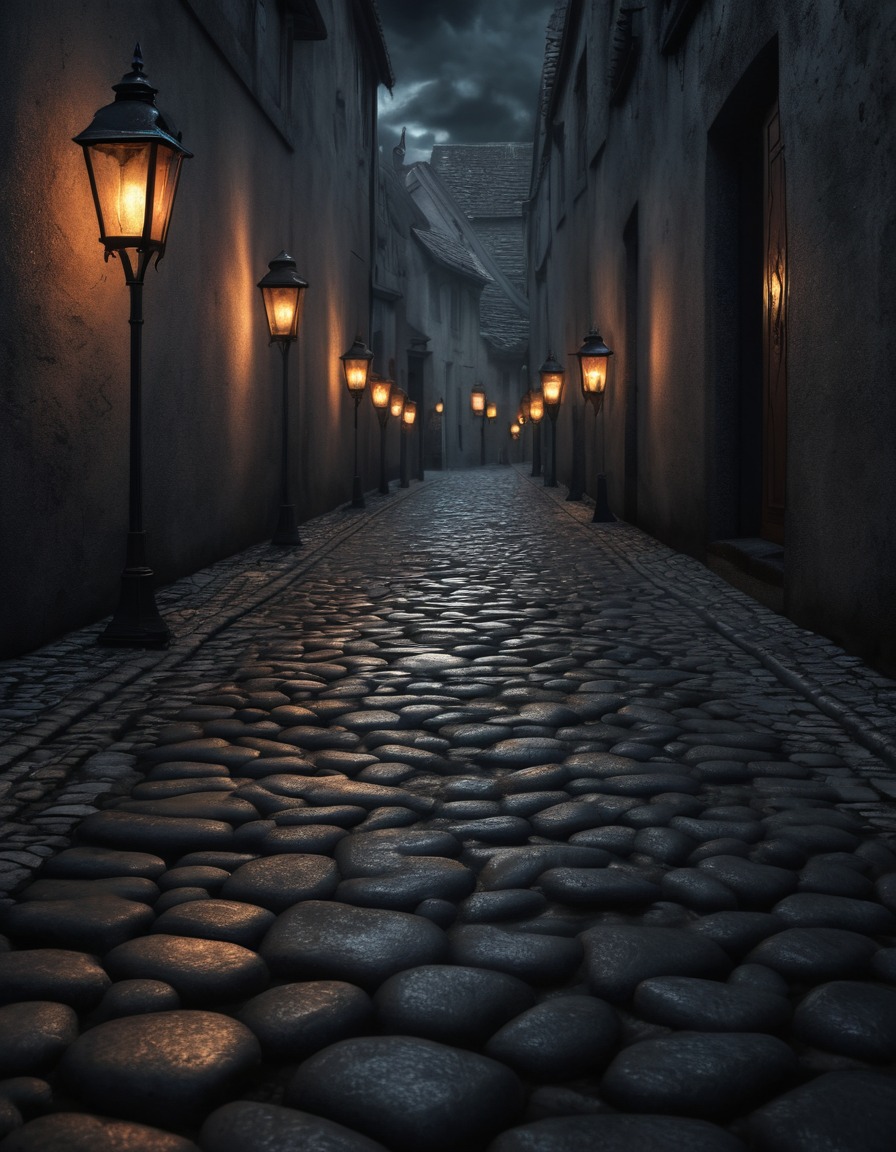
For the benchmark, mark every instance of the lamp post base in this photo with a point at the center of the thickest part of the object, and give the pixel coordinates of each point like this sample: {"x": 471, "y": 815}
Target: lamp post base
{"x": 602, "y": 513}
{"x": 287, "y": 531}
{"x": 136, "y": 622}
{"x": 357, "y": 493}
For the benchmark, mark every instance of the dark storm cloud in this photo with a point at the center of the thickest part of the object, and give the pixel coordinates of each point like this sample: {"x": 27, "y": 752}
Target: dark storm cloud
{"x": 466, "y": 71}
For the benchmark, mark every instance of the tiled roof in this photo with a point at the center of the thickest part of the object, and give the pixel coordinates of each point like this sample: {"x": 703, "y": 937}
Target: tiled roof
{"x": 501, "y": 323}
{"x": 452, "y": 254}
{"x": 485, "y": 179}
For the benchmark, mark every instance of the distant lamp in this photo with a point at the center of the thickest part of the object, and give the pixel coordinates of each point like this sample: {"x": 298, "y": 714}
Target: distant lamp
{"x": 440, "y": 406}
{"x": 491, "y": 411}
{"x": 133, "y": 156}
{"x": 409, "y": 413}
{"x": 283, "y": 294}
{"x": 396, "y": 402}
{"x": 594, "y": 360}
{"x": 536, "y": 407}
{"x": 515, "y": 430}
{"x": 356, "y": 368}
{"x": 380, "y": 396}
{"x": 551, "y": 373}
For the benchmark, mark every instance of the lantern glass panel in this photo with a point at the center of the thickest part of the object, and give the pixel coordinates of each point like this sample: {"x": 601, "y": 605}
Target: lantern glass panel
{"x": 552, "y": 386}
{"x": 410, "y": 413}
{"x": 536, "y": 407}
{"x": 356, "y": 374}
{"x": 380, "y": 392}
{"x": 396, "y": 403}
{"x": 477, "y": 401}
{"x": 283, "y": 305}
{"x": 491, "y": 411}
{"x": 120, "y": 176}
{"x": 594, "y": 374}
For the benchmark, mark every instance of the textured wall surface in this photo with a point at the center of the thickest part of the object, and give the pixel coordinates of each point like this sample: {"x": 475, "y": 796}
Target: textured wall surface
{"x": 281, "y": 160}
{"x": 669, "y": 175}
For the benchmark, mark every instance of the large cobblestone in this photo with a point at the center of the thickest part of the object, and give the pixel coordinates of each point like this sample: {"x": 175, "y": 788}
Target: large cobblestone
{"x": 464, "y": 731}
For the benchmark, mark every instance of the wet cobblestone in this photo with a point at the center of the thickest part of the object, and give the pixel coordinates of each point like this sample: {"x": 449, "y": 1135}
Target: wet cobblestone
{"x": 531, "y": 819}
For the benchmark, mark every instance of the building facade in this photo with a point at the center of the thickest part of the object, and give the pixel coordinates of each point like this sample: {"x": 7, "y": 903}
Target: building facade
{"x": 713, "y": 186}
{"x": 276, "y": 99}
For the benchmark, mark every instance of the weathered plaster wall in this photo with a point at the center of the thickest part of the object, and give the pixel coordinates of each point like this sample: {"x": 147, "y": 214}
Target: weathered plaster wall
{"x": 211, "y": 382}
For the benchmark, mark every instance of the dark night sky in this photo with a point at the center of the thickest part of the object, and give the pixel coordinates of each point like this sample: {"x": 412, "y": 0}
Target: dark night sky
{"x": 466, "y": 71}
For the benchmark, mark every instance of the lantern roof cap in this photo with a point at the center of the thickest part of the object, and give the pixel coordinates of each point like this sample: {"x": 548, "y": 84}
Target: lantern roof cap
{"x": 593, "y": 345}
{"x": 133, "y": 115}
{"x": 282, "y": 274}
{"x": 358, "y": 350}
{"x": 551, "y": 365}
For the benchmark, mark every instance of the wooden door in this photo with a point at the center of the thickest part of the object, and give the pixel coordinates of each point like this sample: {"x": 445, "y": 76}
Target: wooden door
{"x": 774, "y": 335}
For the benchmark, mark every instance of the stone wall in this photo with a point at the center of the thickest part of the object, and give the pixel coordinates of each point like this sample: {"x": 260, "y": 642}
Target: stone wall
{"x": 282, "y": 159}
{"x": 652, "y": 228}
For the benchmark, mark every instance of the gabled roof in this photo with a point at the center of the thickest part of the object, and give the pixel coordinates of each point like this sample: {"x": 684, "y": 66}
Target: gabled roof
{"x": 485, "y": 179}
{"x": 451, "y": 254}
{"x": 368, "y": 19}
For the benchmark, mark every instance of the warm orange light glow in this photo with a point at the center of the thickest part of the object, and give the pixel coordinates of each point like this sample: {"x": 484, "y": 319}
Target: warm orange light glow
{"x": 356, "y": 375}
{"x": 122, "y": 174}
{"x": 477, "y": 401}
{"x": 536, "y": 407}
{"x": 440, "y": 406}
{"x": 491, "y": 411}
{"x": 515, "y": 431}
{"x": 552, "y": 386}
{"x": 396, "y": 402}
{"x": 594, "y": 374}
{"x": 380, "y": 391}
{"x": 410, "y": 413}
{"x": 283, "y": 306}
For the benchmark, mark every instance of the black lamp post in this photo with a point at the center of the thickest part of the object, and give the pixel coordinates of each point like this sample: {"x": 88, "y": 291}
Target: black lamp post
{"x": 477, "y": 403}
{"x": 283, "y": 293}
{"x": 380, "y": 395}
{"x": 536, "y": 415}
{"x": 356, "y": 366}
{"x": 594, "y": 358}
{"x": 134, "y": 155}
{"x": 408, "y": 416}
{"x": 552, "y": 374}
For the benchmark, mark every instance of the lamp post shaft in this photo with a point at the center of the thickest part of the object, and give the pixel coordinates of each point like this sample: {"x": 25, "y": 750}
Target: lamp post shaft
{"x": 287, "y": 531}
{"x": 136, "y": 622}
{"x": 403, "y": 463}
{"x": 357, "y": 490}
{"x": 384, "y": 483}
{"x": 482, "y": 441}
{"x": 550, "y": 478}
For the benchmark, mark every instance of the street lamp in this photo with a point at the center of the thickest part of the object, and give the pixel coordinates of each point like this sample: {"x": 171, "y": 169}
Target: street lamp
{"x": 551, "y": 374}
{"x": 283, "y": 294}
{"x": 594, "y": 359}
{"x": 440, "y": 406}
{"x": 356, "y": 366}
{"x": 380, "y": 395}
{"x": 408, "y": 416}
{"x": 477, "y": 403}
{"x": 133, "y": 156}
{"x": 515, "y": 430}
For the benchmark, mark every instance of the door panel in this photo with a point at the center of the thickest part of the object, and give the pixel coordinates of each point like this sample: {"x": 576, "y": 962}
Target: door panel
{"x": 774, "y": 337}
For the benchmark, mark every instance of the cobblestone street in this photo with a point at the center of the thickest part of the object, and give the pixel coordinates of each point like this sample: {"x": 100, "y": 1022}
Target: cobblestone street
{"x": 469, "y": 825}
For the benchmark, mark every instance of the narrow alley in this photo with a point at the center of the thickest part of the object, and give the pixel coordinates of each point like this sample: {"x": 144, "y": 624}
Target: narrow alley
{"x": 470, "y": 824}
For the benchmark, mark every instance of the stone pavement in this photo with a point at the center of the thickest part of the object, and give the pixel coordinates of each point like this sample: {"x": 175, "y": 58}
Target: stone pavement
{"x": 469, "y": 825}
